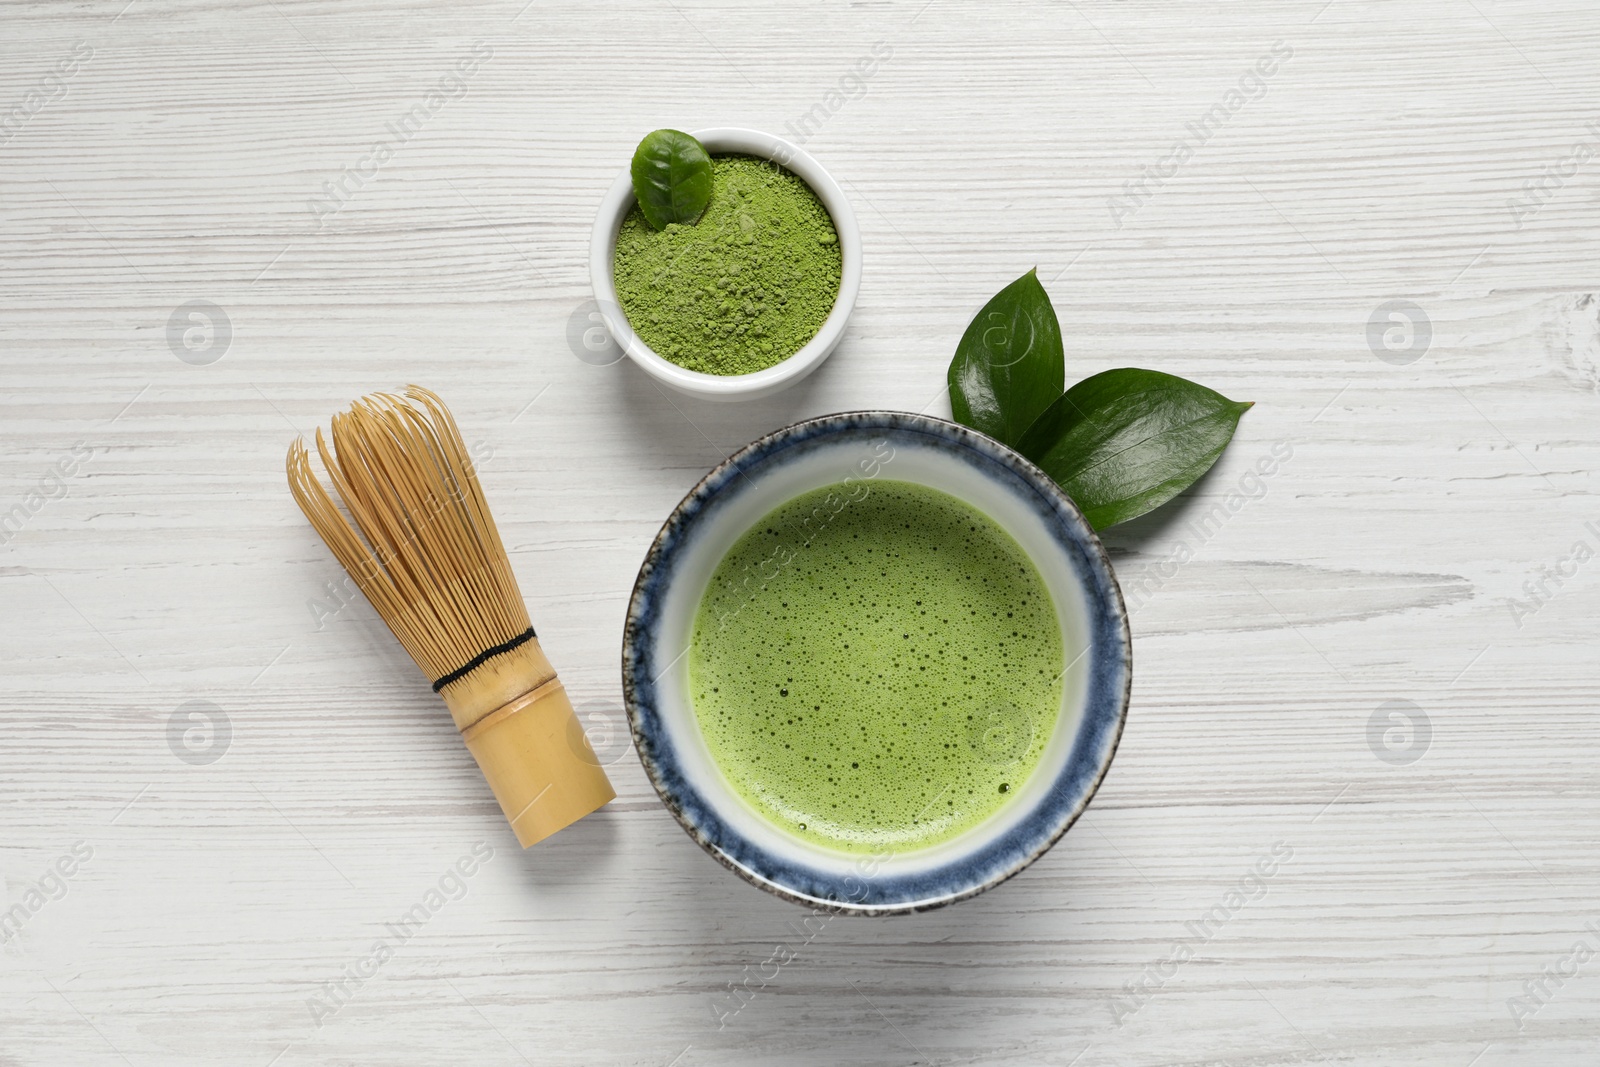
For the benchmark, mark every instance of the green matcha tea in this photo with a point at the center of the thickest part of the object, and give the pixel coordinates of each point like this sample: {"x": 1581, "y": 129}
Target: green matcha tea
{"x": 744, "y": 288}
{"x": 876, "y": 666}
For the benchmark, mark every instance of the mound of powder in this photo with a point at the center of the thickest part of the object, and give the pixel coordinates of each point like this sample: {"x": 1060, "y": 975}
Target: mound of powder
{"x": 744, "y": 288}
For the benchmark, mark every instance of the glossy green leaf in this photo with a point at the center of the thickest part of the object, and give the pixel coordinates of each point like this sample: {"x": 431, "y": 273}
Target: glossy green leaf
{"x": 1008, "y": 366}
{"x": 1126, "y": 441}
{"x": 671, "y": 178}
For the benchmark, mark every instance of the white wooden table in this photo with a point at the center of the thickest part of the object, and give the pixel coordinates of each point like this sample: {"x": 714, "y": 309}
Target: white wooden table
{"x": 1351, "y": 669}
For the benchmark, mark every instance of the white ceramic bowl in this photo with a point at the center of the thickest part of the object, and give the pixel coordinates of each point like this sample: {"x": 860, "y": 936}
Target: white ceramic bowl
{"x": 898, "y": 446}
{"x": 602, "y": 252}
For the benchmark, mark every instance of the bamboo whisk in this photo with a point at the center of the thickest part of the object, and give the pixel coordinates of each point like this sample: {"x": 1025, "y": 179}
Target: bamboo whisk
{"x": 421, "y": 544}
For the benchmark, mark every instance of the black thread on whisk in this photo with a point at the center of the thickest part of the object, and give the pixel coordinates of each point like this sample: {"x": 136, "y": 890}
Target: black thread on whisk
{"x": 483, "y": 657}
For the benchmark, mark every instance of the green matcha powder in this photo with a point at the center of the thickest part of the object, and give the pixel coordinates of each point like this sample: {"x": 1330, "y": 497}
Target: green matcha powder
{"x": 744, "y": 288}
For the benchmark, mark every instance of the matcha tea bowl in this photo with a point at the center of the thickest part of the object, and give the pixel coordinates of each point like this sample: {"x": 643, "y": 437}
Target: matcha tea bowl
{"x": 876, "y": 662}
{"x": 752, "y": 296}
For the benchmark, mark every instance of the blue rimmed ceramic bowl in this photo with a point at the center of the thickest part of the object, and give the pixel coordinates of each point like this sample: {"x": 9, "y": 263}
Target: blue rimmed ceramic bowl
{"x": 911, "y": 448}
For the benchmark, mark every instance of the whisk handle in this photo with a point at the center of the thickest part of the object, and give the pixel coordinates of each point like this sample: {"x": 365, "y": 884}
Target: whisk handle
{"x": 540, "y": 765}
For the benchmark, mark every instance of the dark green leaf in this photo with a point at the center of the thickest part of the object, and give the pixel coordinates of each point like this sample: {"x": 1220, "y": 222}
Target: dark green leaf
{"x": 1126, "y": 441}
{"x": 671, "y": 178}
{"x": 1009, "y": 365}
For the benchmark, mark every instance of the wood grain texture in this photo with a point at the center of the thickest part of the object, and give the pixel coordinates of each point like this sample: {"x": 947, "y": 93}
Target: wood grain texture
{"x": 1384, "y": 160}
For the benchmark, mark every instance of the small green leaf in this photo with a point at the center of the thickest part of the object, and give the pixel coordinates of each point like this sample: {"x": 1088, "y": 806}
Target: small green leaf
{"x": 1009, "y": 364}
{"x": 671, "y": 178}
{"x": 1126, "y": 441}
